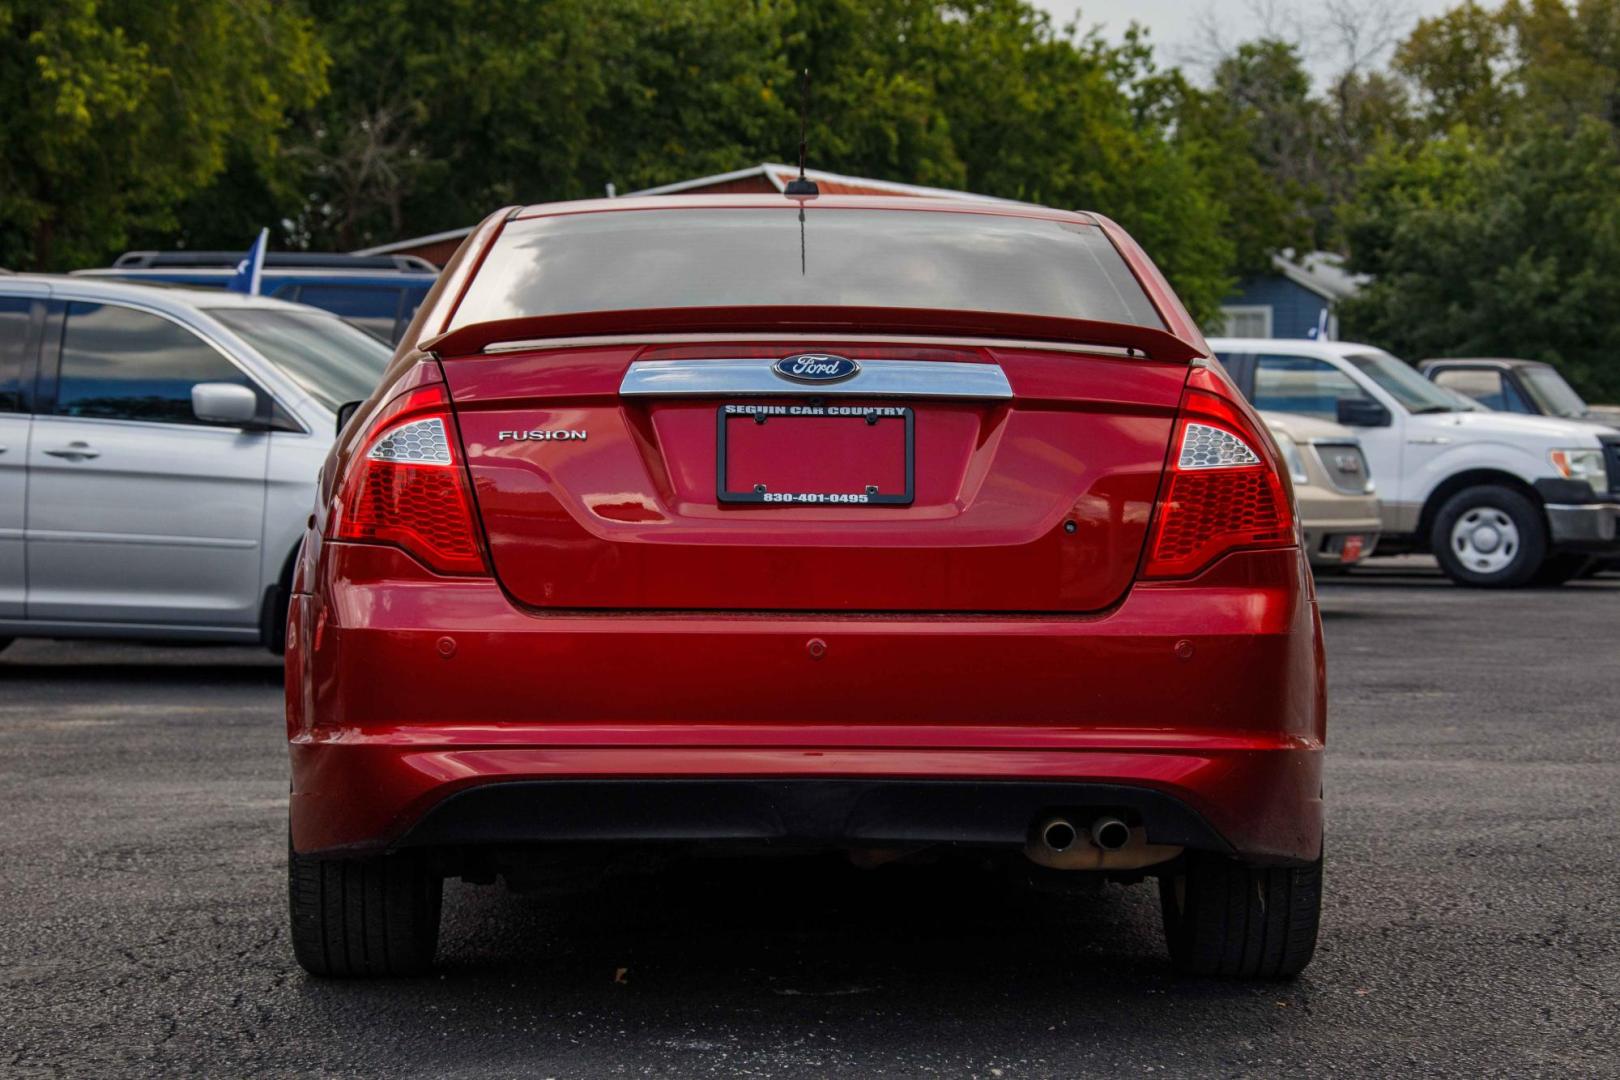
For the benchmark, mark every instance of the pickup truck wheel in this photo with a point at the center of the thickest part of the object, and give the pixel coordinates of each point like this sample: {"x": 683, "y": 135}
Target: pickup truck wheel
{"x": 363, "y": 917}
{"x": 1489, "y": 537}
{"x": 1224, "y": 918}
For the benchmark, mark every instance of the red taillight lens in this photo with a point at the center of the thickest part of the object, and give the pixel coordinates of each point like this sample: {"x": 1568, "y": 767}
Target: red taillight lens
{"x": 1223, "y": 487}
{"x": 406, "y": 486}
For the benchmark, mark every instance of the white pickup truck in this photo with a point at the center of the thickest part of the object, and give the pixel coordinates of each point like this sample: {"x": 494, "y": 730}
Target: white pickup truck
{"x": 1501, "y": 499}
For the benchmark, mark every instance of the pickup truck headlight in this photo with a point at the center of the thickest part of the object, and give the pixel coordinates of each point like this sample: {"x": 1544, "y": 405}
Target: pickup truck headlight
{"x": 1582, "y": 465}
{"x": 1291, "y": 454}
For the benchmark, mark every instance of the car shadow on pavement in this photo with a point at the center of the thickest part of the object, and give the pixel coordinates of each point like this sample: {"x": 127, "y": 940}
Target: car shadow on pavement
{"x": 53, "y": 663}
{"x": 745, "y": 953}
{"x": 203, "y": 676}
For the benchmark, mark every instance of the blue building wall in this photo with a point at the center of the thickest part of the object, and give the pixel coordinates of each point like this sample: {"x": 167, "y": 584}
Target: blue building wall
{"x": 1295, "y": 310}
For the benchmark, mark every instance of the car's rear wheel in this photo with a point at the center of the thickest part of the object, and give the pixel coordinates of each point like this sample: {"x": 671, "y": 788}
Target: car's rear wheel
{"x": 4, "y": 641}
{"x": 1224, "y": 918}
{"x": 1489, "y": 537}
{"x": 363, "y": 917}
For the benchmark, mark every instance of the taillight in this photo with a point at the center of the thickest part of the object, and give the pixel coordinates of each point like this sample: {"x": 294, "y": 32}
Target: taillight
{"x": 405, "y": 486}
{"x": 1223, "y": 487}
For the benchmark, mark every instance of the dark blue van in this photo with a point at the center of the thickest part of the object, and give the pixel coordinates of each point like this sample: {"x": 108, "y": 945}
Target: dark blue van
{"x": 378, "y": 293}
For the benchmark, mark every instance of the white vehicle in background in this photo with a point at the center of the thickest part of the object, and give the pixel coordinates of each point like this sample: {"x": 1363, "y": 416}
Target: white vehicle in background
{"x": 1501, "y": 500}
{"x": 158, "y": 454}
{"x": 1333, "y": 488}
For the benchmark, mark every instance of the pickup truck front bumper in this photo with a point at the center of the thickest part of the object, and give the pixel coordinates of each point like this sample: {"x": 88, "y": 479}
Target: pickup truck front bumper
{"x": 1580, "y": 520}
{"x": 1589, "y": 526}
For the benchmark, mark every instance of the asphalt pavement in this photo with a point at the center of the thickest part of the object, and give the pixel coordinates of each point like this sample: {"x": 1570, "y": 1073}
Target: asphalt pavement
{"x": 1472, "y": 924}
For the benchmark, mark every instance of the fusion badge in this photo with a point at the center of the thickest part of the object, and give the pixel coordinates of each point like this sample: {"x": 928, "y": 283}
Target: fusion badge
{"x": 816, "y": 367}
{"x": 538, "y": 435}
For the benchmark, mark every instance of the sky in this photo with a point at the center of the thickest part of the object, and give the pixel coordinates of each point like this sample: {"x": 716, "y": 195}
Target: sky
{"x": 1181, "y": 29}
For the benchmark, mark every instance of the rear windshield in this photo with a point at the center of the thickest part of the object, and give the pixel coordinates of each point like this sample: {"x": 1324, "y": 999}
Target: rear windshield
{"x": 621, "y": 261}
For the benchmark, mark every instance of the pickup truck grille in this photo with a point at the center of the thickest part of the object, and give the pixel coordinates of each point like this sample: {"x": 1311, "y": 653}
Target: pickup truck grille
{"x": 1611, "y": 458}
{"x": 1345, "y": 466}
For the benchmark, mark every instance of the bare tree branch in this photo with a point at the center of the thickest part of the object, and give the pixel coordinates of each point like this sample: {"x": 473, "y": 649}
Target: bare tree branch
{"x": 1356, "y": 35}
{"x": 1212, "y": 39}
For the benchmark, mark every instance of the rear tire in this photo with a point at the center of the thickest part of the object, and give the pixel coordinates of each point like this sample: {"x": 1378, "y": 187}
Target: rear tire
{"x": 4, "y": 641}
{"x": 1489, "y": 537}
{"x": 1224, "y": 918}
{"x": 363, "y": 917}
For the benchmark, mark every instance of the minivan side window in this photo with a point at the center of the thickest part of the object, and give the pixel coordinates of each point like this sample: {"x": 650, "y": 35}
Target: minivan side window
{"x": 123, "y": 364}
{"x": 16, "y": 312}
{"x": 1302, "y": 384}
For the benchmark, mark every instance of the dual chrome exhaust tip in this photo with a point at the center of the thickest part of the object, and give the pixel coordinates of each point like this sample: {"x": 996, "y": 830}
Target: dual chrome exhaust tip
{"x": 1105, "y": 842}
{"x": 1108, "y": 833}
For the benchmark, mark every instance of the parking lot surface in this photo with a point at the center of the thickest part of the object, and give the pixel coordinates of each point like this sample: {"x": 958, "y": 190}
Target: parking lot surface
{"x": 1472, "y": 923}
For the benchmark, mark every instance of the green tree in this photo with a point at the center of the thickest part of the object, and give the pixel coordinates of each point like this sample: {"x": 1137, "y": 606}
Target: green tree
{"x": 116, "y": 111}
{"x": 1292, "y": 153}
{"x": 1480, "y": 248}
{"x": 876, "y": 110}
{"x": 441, "y": 110}
{"x": 1048, "y": 116}
{"x": 1462, "y": 65}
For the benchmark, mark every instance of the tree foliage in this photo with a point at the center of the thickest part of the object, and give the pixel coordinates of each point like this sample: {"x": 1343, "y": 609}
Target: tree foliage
{"x": 116, "y": 111}
{"x": 1498, "y": 233}
{"x": 436, "y": 111}
{"x": 1482, "y": 250}
{"x": 1473, "y": 177}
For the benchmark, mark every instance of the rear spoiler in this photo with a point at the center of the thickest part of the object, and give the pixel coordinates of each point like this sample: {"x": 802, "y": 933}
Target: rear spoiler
{"x": 532, "y": 331}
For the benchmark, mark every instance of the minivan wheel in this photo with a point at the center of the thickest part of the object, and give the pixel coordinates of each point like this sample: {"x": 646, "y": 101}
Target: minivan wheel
{"x": 1489, "y": 537}
{"x": 1224, "y": 918}
{"x": 363, "y": 917}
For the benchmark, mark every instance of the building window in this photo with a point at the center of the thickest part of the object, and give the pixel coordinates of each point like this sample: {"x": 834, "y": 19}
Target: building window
{"x": 1247, "y": 322}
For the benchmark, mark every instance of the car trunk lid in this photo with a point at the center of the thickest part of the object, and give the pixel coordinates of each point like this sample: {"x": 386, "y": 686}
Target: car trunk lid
{"x": 970, "y": 478}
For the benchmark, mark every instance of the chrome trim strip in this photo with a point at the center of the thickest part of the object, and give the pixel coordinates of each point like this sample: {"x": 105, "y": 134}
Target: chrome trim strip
{"x": 754, "y": 376}
{"x": 817, "y": 339}
{"x": 64, "y": 536}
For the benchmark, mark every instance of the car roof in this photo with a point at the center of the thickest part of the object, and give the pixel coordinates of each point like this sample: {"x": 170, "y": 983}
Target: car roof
{"x": 821, "y": 202}
{"x": 1298, "y": 346}
{"x": 273, "y": 260}
{"x": 151, "y": 293}
{"x": 1478, "y": 361}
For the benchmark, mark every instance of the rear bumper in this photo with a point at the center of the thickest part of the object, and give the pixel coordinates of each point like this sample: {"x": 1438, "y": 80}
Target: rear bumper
{"x": 853, "y": 812}
{"x": 1325, "y": 540}
{"x": 432, "y": 712}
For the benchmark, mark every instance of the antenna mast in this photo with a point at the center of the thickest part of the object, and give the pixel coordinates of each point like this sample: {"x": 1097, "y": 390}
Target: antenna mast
{"x": 803, "y": 188}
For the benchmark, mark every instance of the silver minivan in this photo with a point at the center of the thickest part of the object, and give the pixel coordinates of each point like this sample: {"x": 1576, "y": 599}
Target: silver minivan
{"x": 158, "y": 454}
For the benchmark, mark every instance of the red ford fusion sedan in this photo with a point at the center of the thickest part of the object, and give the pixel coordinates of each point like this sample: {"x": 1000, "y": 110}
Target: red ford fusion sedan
{"x": 900, "y": 527}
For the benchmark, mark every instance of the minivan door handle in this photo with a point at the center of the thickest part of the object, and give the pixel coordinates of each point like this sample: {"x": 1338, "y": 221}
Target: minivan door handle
{"x": 75, "y": 451}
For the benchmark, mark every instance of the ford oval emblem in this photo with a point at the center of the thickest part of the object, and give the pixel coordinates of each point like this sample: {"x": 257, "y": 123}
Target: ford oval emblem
{"x": 816, "y": 367}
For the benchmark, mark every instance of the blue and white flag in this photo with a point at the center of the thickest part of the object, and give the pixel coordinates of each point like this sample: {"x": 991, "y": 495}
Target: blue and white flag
{"x": 1320, "y": 331}
{"x": 251, "y": 268}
